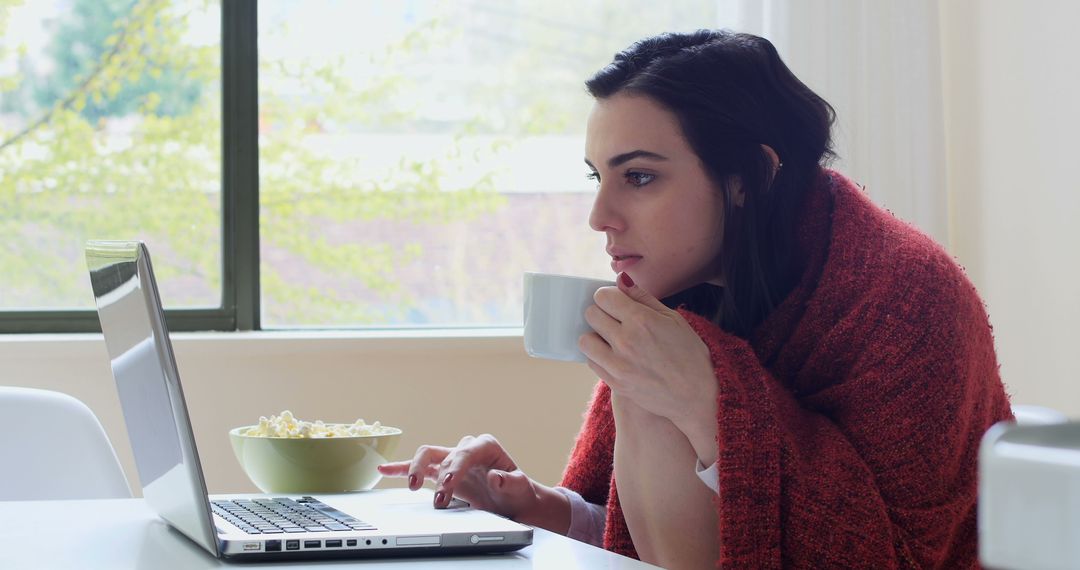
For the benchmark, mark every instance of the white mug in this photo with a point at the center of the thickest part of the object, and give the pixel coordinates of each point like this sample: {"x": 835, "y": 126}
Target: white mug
{"x": 555, "y": 314}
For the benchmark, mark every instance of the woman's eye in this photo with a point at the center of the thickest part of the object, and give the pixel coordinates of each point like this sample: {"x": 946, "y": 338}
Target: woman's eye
{"x": 639, "y": 178}
{"x": 594, "y": 176}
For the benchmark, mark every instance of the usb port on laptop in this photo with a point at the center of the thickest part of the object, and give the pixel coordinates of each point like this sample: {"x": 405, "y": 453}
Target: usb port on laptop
{"x": 312, "y": 543}
{"x": 333, "y": 544}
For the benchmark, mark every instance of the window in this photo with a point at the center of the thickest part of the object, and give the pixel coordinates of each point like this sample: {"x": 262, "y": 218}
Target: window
{"x": 110, "y": 127}
{"x": 400, "y": 164}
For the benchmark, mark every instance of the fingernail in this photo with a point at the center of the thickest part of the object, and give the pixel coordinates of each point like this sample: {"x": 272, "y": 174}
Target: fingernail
{"x": 448, "y": 477}
{"x": 502, "y": 480}
{"x": 626, "y": 280}
{"x": 412, "y": 481}
{"x": 439, "y": 497}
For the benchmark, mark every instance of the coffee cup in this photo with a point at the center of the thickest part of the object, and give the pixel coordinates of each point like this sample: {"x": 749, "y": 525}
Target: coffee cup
{"x": 555, "y": 314}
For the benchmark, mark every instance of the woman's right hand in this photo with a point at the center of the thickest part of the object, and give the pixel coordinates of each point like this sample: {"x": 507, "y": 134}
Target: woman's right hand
{"x": 477, "y": 470}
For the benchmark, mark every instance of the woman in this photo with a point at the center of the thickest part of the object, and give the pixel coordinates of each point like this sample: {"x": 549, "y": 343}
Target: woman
{"x": 813, "y": 387}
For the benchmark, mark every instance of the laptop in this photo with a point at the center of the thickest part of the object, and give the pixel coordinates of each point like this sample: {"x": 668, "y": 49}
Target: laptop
{"x": 380, "y": 523}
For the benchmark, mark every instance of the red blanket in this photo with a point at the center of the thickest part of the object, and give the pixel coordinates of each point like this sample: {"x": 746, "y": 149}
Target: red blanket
{"x": 850, "y": 422}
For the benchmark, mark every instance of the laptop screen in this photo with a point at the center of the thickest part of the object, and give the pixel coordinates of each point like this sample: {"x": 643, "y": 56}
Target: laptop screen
{"x": 148, "y": 384}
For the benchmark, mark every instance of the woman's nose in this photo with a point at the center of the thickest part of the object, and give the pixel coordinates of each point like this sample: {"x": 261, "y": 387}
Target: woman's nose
{"x": 604, "y": 216}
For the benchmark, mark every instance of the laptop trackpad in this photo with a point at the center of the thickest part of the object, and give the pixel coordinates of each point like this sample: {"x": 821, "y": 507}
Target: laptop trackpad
{"x": 404, "y": 511}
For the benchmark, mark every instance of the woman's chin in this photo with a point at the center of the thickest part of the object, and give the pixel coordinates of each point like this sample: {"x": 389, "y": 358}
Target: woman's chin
{"x": 656, "y": 291}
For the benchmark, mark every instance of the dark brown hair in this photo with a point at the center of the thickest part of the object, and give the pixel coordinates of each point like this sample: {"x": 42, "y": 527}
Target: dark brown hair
{"x": 731, "y": 93}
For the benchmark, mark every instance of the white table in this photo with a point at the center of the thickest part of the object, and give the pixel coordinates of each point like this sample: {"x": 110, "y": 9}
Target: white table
{"x": 124, "y": 533}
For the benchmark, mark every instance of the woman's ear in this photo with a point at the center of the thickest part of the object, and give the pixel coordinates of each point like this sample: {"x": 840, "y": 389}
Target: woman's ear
{"x": 773, "y": 158}
{"x": 735, "y": 185}
{"x": 738, "y": 195}
{"x": 734, "y": 189}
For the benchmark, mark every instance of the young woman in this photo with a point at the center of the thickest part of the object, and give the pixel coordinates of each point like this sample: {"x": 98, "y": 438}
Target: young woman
{"x": 789, "y": 376}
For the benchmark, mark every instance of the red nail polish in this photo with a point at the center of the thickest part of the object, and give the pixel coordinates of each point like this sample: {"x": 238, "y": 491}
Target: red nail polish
{"x": 626, "y": 280}
{"x": 439, "y": 497}
{"x": 448, "y": 477}
{"x": 412, "y": 481}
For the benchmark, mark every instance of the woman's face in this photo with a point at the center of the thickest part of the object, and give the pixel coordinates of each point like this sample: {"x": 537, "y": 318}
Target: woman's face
{"x": 660, "y": 212}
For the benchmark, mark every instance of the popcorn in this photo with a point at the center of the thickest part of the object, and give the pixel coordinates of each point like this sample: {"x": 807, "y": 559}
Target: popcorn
{"x": 287, "y": 425}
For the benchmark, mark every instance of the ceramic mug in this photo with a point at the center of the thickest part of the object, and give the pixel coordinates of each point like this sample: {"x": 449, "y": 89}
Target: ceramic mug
{"x": 555, "y": 314}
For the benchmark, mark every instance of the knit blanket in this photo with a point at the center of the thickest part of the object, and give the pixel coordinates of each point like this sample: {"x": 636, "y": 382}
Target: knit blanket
{"x": 849, "y": 422}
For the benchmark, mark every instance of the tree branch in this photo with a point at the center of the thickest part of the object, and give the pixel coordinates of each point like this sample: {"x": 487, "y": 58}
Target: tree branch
{"x": 66, "y": 103}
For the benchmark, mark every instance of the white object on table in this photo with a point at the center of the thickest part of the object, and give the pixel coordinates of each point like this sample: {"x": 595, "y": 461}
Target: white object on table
{"x": 1029, "y": 504}
{"x": 125, "y": 533}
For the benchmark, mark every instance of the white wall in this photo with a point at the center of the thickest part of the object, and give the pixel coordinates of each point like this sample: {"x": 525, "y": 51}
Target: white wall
{"x": 1012, "y": 86}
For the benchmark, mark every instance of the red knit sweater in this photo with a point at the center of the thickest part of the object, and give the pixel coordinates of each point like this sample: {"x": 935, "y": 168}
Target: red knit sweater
{"x": 849, "y": 424}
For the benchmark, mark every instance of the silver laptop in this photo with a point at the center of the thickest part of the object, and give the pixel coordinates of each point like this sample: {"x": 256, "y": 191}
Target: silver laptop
{"x": 371, "y": 524}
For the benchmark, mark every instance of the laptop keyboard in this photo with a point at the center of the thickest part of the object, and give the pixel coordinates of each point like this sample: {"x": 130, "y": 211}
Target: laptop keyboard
{"x": 285, "y": 516}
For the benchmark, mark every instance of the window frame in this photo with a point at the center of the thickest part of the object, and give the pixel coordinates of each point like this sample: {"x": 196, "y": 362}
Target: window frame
{"x": 239, "y": 309}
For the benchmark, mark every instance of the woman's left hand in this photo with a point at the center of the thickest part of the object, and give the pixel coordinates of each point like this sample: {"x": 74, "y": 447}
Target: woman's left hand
{"x": 649, "y": 354}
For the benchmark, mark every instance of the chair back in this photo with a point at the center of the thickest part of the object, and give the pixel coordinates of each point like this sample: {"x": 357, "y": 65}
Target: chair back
{"x": 53, "y": 447}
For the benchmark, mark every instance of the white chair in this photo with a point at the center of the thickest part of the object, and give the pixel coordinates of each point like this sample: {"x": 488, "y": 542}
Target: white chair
{"x": 1032, "y": 415}
{"x": 53, "y": 447}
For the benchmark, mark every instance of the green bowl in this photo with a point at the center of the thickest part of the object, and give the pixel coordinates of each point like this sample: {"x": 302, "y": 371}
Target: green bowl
{"x": 313, "y": 465}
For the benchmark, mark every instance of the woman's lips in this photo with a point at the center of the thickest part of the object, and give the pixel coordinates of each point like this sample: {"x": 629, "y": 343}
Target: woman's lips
{"x": 622, "y": 263}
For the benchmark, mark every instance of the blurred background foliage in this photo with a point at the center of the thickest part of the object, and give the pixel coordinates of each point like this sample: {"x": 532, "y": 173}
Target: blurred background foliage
{"x": 407, "y": 175}
{"x": 121, "y": 138}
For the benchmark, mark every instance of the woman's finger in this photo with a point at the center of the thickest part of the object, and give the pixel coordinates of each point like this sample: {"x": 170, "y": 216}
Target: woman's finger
{"x": 455, "y": 466}
{"x": 620, "y": 304}
{"x": 401, "y": 469}
{"x": 600, "y": 355}
{"x": 600, "y": 372}
{"x": 422, "y": 463}
{"x": 394, "y": 468}
{"x": 473, "y": 454}
{"x": 604, "y": 324}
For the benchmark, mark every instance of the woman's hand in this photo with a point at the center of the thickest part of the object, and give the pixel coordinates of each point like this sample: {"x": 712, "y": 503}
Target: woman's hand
{"x": 477, "y": 470}
{"x": 648, "y": 354}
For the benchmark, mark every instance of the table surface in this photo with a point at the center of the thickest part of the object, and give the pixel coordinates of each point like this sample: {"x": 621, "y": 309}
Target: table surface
{"x": 125, "y": 533}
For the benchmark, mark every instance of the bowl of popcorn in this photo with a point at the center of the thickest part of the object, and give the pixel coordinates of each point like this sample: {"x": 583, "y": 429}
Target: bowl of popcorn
{"x": 283, "y": 454}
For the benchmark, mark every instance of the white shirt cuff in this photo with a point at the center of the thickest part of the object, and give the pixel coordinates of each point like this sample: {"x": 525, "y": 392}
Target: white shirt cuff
{"x": 710, "y": 476}
{"x": 587, "y": 520}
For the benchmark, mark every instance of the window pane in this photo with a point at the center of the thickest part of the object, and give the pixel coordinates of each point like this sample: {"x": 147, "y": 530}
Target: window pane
{"x": 110, "y": 128}
{"x": 416, "y": 157}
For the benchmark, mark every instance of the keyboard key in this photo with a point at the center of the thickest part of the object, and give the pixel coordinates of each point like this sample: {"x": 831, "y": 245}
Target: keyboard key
{"x": 283, "y": 515}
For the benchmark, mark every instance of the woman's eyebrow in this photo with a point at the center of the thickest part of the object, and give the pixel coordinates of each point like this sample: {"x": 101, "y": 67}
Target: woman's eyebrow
{"x": 627, "y": 156}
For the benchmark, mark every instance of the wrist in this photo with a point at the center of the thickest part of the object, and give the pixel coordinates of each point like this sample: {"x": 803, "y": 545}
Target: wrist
{"x": 550, "y": 511}
{"x": 700, "y": 429}
{"x": 700, "y": 424}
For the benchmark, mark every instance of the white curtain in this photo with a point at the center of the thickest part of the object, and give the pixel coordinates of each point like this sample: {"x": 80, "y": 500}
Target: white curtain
{"x": 879, "y": 65}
